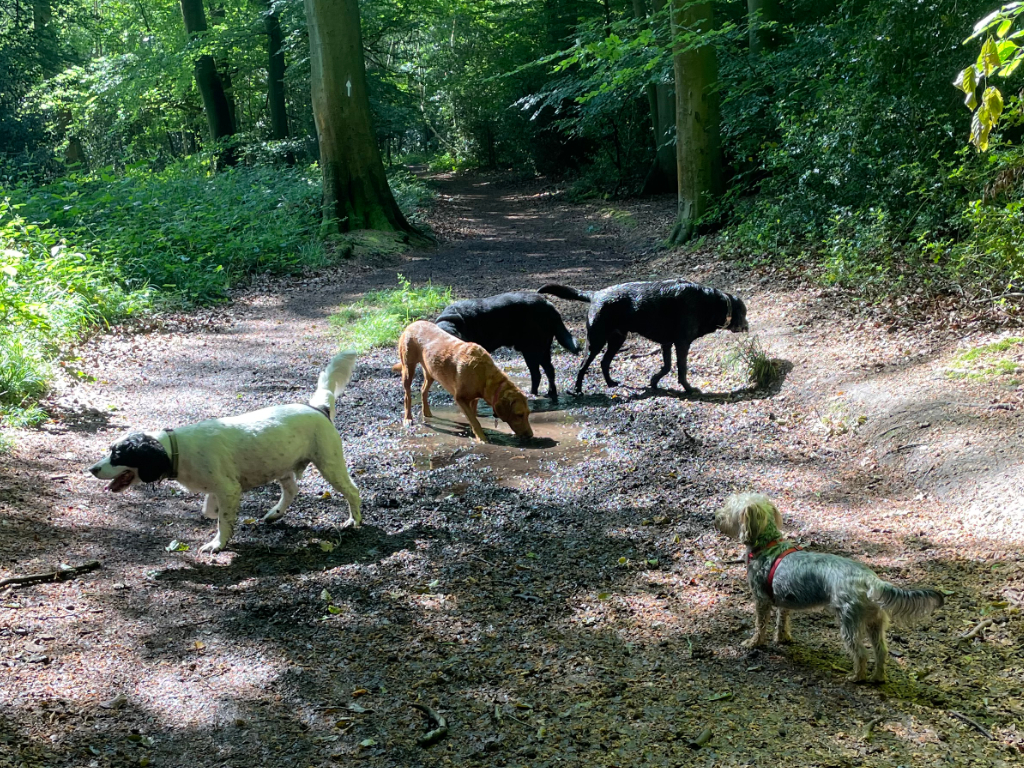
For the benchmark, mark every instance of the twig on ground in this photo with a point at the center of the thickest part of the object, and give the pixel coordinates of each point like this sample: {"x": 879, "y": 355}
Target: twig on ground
{"x": 61, "y": 574}
{"x": 979, "y": 629}
{"x": 702, "y": 739}
{"x": 870, "y": 727}
{"x": 434, "y": 736}
{"x": 973, "y": 723}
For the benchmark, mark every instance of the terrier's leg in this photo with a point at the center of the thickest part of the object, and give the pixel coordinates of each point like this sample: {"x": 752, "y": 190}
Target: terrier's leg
{"x": 876, "y": 633}
{"x": 762, "y": 615}
{"x": 782, "y": 627}
{"x": 851, "y": 629}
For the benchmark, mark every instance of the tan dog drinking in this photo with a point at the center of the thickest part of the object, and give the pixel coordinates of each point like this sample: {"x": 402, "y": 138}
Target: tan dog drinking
{"x": 466, "y": 371}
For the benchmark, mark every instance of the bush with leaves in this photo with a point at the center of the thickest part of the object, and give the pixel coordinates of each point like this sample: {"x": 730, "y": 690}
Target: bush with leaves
{"x": 50, "y": 294}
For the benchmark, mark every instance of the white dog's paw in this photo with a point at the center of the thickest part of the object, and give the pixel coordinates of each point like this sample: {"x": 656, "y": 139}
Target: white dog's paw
{"x": 754, "y": 642}
{"x": 272, "y": 515}
{"x": 212, "y": 546}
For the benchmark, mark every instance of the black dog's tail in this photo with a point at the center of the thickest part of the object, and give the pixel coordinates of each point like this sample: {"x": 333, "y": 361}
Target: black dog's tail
{"x": 565, "y": 292}
{"x": 565, "y": 338}
{"x": 904, "y": 604}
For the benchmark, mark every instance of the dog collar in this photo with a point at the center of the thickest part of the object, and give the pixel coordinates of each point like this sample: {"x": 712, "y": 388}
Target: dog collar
{"x": 771, "y": 571}
{"x": 319, "y": 409}
{"x": 493, "y": 400}
{"x": 728, "y": 310}
{"x": 173, "y": 439}
{"x": 756, "y": 553}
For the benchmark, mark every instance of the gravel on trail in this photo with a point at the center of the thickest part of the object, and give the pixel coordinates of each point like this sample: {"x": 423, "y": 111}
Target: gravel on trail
{"x": 561, "y": 603}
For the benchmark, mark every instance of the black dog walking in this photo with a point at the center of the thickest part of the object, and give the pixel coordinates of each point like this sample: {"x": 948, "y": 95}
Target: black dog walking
{"x": 524, "y": 321}
{"x": 669, "y": 312}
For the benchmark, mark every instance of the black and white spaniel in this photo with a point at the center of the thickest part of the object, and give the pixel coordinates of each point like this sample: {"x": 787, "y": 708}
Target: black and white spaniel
{"x": 223, "y": 457}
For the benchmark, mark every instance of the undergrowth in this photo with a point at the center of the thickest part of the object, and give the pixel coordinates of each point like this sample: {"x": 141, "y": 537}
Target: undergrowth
{"x": 94, "y": 249}
{"x": 50, "y": 294}
{"x": 377, "y": 319}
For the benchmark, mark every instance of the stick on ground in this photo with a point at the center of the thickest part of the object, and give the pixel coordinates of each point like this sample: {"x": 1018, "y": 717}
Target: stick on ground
{"x": 62, "y": 574}
{"x": 973, "y": 723}
{"x": 434, "y": 736}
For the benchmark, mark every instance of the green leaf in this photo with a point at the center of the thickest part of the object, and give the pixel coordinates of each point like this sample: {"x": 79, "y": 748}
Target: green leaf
{"x": 603, "y": 595}
{"x": 992, "y": 100}
{"x": 1009, "y": 68}
{"x": 326, "y": 596}
{"x": 1008, "y": 50}
{"x": 988, "y": 59}
{"x": 333, "y": 609}
{"x": 1004, "y": 27}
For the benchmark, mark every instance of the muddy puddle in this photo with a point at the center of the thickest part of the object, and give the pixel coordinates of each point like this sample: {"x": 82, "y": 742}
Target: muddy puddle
{"x": 446, "y": 439}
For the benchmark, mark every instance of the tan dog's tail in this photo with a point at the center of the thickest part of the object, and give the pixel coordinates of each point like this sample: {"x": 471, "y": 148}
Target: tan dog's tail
{"x": 397, "y": 367}
{"x": 904, "y": 604}
{"x": 332, "y": 380}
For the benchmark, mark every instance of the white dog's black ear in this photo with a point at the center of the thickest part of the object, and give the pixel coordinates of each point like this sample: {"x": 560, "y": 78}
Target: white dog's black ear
{"x": 143, "y": 453}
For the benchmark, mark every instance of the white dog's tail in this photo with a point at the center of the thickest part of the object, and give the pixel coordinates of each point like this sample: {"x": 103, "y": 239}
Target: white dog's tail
{"x": 332, "y": 380}
{"x": 904, "y": 604}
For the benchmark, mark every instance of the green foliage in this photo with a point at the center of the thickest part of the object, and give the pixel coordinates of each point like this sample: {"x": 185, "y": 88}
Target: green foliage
{"x": 187, "y": 230}
{"x": 999, "y": 55}
{"x": 378, "y": 319}
{"x": 410, "y": 192}
{"x": 50, "y": 294}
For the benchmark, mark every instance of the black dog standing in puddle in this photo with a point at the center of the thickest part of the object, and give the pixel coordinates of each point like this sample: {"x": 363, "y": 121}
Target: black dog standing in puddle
{"x": 523, "y": 321}
{"x": 673, "y": 313}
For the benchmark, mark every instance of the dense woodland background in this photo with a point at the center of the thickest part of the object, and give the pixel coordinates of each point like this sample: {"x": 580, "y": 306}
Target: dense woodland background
{"x": 844, "y": 145}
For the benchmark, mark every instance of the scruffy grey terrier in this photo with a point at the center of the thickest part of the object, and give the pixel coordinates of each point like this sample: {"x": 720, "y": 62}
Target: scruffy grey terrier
{"x": 790, "y": 579}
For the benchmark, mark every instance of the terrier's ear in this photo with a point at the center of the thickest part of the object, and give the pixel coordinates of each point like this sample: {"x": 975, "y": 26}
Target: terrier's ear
{"x": 752, "y": 521}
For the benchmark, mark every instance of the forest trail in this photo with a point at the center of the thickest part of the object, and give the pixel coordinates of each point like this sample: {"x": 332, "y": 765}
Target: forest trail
{"x": 575, "y": 607}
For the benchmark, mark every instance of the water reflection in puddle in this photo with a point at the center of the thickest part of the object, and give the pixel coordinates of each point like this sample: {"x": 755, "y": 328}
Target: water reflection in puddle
{"x": 447, "y": 439}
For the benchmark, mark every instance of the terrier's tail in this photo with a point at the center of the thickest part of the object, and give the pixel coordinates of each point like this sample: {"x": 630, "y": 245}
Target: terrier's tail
{"x": 565, "y": 292}
{"x": 332, "y": 380}
{"x": 904, "y": 604}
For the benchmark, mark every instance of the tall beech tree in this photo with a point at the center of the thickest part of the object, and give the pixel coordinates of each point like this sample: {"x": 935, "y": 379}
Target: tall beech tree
{"x": 215, "y": 101}
{"x": 698, "y": 122}
{"x": 356, "y": 191}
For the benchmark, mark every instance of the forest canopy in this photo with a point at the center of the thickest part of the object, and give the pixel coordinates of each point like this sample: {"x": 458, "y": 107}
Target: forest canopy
{"x": 830, "y": 137}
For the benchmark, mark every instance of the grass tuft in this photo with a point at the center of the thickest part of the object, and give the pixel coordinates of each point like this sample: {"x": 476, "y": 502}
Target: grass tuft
{"x": 753, "y": 358}
{"x": 1001, "y": 360}
{"x": 378, "y": 319}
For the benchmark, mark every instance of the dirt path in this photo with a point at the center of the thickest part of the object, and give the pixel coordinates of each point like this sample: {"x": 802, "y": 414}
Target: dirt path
{"x": 568, "y": 604}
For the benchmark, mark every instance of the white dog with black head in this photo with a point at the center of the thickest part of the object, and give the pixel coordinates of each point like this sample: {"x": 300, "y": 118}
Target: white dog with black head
{"x": 224, "y": 457}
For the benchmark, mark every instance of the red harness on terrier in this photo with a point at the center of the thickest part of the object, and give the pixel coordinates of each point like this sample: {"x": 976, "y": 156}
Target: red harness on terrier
{"x": 775, "y": 564}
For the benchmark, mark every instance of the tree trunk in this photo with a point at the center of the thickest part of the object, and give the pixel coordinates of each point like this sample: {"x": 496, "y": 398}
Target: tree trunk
{"x": 356, "y": 191}
{"x": 215, "y": 102}
{"x": 275, "y": 74}
{"x": 698, "y": 148}
{"x": 759, "y": 12}
{"x": 662, "y": 98}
